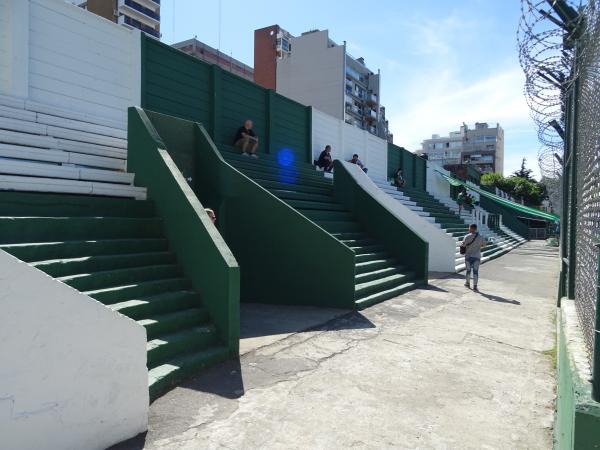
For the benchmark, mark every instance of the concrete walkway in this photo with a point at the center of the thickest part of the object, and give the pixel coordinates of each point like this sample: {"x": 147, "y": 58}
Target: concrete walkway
{"x": 438, "y": 368}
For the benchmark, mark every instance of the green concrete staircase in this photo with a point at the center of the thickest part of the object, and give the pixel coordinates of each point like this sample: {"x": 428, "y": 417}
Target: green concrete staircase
{"x": 457, "y": 226}
{"x": 115, "y": 251}
{"x": 378, "y": 275}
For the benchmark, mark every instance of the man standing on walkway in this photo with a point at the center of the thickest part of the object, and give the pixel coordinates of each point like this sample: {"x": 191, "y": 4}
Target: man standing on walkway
{"x": 472, "y": 244}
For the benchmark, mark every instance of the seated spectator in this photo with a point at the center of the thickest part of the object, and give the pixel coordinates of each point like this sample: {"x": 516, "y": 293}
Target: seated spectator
{"x": 246, "y": 139}
{"x": 358, "y": 162}
{"x": 211, "y": 214}
{"x": 325, "y": 160}
{"x": 399, "y": 179}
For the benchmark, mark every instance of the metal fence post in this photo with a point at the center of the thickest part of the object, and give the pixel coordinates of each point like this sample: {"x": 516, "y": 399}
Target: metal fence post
{"x": 596, "y": 353}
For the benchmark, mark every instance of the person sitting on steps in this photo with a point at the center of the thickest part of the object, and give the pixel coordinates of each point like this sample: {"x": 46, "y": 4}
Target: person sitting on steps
{"x": 358, "y": 162}
{"x": 246, "y": 139}
{"x": 399, "y": 179}
{"x": 325, "y": 160}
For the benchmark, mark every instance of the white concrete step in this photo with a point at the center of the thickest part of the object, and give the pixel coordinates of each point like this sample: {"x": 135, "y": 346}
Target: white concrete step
{"x": 28, "y": 105}
{"x": 51, "y": 170}
{"x": 40, "y": 184}
{"x": 33, "y": 140}
{"x": 60, "y": 156}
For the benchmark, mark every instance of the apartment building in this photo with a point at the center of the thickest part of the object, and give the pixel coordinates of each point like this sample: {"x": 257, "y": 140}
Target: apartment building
{"x": 481, "y": 147}
{"x": 313, "y": 70}
{"x": 211, "y": 55}
{"x": 141, "y": 14}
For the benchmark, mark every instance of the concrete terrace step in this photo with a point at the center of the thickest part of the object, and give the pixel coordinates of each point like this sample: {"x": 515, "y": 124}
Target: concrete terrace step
{"x": 111, "y": 278}
{"x": 385, "y": 295}
{"x": 166, "y": 302}
{"x": 120, "y": 293}
{"x": 57, "y": 185}
{"x": 162, "y": 377}
{"x": 52, "y": 229}
{"x": 166, "y": 347}
{"x": 367, "y": 288}
{"x": 35, "y": 252}
{"x": 70, "y": 266}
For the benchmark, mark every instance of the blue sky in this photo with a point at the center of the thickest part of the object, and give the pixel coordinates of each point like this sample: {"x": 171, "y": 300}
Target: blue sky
{"x": 442, "y": 62}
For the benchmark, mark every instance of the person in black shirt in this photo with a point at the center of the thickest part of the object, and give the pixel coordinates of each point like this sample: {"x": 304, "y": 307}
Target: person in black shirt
{"x": 325, "y": 160}
{"x": 246, "y": 139}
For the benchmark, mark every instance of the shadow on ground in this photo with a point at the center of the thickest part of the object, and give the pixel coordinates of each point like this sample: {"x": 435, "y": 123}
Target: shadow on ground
{"x": 497, "y": 298}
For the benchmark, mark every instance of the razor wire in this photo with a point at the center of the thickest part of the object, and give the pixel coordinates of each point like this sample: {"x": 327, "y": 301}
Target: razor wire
{"x": 546, "y": 57}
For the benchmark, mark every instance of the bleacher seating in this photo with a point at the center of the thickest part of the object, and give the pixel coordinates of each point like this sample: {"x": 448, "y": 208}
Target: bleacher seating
{"x": 452, "y": 222}
{"x": 47, "y": 149}
{"x": 378, "y": 275}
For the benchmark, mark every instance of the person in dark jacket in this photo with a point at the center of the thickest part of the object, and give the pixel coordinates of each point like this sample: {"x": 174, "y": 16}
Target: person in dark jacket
{"x": 325, "y": 160}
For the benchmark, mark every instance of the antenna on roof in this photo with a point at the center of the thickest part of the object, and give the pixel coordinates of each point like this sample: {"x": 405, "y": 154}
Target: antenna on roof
{"x": 219, "y": 45}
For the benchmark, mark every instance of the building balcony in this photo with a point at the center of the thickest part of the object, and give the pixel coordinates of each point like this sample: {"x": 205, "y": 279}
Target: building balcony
{"x": 370, "y": 114}
{"x": 134, "y": 10}
{"x": 152, "y": 5}
{"x": 139, "y": 25}
{"x": 372, "y": 98}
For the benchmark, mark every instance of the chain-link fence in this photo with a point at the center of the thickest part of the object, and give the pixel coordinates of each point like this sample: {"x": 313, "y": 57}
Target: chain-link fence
{"x": 587, "y": 155}
{"x": 559, "y": 44}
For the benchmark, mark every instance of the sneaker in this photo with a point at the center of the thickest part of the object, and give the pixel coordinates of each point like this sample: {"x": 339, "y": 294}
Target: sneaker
{"x": 467, "y": 285}
{"x": 254, "y": 155}
{"x": 475, "y": 289}
{"x": 245, "y": 154}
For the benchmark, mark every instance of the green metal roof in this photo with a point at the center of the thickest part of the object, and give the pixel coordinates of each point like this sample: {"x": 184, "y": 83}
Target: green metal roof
{"x": 502, "y": 201}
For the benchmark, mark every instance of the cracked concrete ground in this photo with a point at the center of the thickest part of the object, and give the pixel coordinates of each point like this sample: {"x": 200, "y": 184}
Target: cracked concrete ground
{"x": 442, "y": 368}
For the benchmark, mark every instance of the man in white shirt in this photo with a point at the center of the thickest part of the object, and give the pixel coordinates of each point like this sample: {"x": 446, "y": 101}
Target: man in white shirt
{"x": 473, "y": 242}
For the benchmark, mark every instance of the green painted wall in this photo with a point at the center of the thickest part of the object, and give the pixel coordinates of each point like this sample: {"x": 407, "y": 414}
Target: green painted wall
{"x": 577, "y": 421}
{"x": 414, "y": 168}
{"x": 283, "y": 256}
{"x": 180, "y": 85}
{"x": 200, "y": 249}
{"x": 401, "y": 241}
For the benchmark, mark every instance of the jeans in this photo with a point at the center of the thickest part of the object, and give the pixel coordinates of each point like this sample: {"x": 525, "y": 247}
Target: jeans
{"x": 472, "y": 264}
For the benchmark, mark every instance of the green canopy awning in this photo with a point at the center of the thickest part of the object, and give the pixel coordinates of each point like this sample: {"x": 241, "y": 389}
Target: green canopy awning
{"x": 500, "y": 200}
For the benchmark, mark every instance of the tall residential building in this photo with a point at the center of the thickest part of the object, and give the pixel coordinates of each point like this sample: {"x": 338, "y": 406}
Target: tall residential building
{"x": 141, "y": 14}
{"x": 481, "y": 147}
{"x": 211, "y": 55}
{"x": 314, "y": 70}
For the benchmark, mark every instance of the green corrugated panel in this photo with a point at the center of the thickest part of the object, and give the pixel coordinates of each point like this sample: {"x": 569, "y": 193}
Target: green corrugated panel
{"x": 175, "y": 83}
{"x": 408, "y": 168}
{"x": 241, "y": 100}
{"x": 289, "y": 121}
{"x": 180, "y": 85}
{"x": 420, "y": 172}
{"x": 394, "y": 159}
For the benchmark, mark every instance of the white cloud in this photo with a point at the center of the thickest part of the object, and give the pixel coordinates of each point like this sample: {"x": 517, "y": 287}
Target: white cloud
{"x": 441, "y": 108}
{"x": 446, "y": 84}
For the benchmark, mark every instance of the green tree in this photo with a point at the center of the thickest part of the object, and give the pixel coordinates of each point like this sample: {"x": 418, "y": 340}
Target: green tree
{"x": 523, "y": 172}
{"x": 520, "y": 185}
